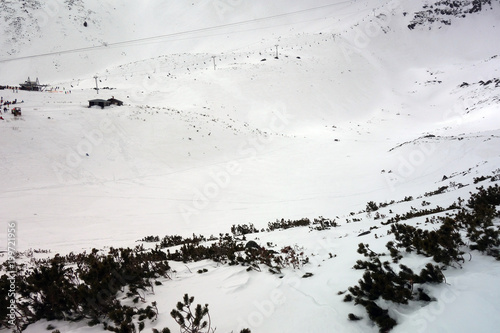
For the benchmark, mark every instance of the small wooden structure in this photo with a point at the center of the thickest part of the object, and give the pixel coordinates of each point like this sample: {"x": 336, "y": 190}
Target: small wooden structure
{"x": 103, "y": 103}
{"x": 99, "y": 102}
{"x": 114, "y": 101}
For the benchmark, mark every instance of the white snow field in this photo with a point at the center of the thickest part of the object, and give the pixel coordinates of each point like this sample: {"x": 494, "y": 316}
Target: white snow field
{"x": 357, "y": 107}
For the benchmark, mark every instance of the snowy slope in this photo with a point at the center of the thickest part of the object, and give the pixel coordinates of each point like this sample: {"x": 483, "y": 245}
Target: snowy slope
{"x": 121, "y": 32}
{"x": 357, "y": 107}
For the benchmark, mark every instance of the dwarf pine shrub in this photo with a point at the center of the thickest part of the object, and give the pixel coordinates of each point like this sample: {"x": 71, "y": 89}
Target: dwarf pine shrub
{"x": 85, "y": 286}
{"x": 444, "y": 245}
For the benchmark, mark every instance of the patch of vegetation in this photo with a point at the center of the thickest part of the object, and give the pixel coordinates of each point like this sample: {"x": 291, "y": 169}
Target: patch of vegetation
{"x": 477, "y": 220}
{"x": 322, "y": 223}
{"x": 385, "y": 204}
{"x": 230, "y": 251}
{"x": 380, "y": 280}
{"x": 92, "y": 286}
{"x": 85, "y": 287}
{"x": 150, "y": 239}
{"x": 191, "y": 321}
{"x": 443, "y": 245}
{"x": 379, "y": 216}
{"x": 440, "y": 190}
{"x": 243, "y": 229}
{"x": 195, "y": 320}
{"x": 417, "y": 213}
{"x": 293, "y": 257}
{"x": 287, "y": 224}
{"x": 480, "y": 179}
{"x": 169, "y": 241}
{"x": 371, "y": 206}
{"x": 446, "y": 245}
{"x": 353, "y": 317}
{"x": 223, "y": 251}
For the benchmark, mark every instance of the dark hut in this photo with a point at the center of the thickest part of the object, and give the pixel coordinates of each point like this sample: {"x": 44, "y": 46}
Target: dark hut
{"x": 114, "y": 101}
{"x": 99, "y": 102}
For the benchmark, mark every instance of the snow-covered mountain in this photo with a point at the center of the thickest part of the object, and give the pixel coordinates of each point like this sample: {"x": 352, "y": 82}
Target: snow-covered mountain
{"x": 241, "y": 112}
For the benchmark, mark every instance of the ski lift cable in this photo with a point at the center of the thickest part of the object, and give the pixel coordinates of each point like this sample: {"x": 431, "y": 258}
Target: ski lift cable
{"x": 148, "y": 71}
{"x": 181, "y": 33}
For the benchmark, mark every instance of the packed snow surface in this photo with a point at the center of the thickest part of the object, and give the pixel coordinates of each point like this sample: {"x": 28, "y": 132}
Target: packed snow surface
{"x": 246, "y": 112}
